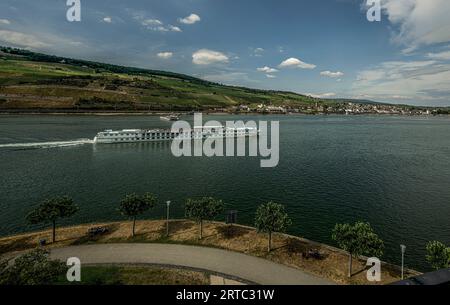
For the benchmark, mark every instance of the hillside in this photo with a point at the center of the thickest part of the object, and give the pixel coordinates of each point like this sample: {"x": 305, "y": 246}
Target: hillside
{"x": 33, "y": 81}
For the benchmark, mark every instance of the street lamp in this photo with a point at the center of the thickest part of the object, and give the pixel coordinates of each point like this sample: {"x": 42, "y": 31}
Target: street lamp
{"x": 167, "y": 223}
{"x": 403, "y": 248}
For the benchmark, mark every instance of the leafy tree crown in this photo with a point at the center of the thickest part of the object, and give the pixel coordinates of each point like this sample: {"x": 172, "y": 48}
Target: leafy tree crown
{"x": 271, "y": 217}
{"x": 52, "y": 209}
{"x": 438, "y": 255}
{"x": 358, "y": 239}
{"x": 33, "y": 268}
{"x": 203, "y": 208}
{"x": 133, "y": 205}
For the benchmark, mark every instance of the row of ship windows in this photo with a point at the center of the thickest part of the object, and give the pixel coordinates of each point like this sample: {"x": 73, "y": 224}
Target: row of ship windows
{"x": 163, "y": 134}
{"x": 150, "y": 138}
{"x": 143, "y": 139}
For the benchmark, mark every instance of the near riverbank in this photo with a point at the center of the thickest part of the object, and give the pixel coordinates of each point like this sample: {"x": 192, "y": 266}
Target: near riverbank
{"x": 326, "y": 262}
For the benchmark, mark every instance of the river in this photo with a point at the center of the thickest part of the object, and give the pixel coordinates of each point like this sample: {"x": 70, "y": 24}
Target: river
{"x": 391, "y": 171}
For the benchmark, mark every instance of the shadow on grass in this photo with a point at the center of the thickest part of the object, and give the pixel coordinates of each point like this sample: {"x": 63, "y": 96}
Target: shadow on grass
{"x": 230, "y": 232}
{"x": 360, "y": 271}
{"x": 389, "y": 269}
{"x": 87, "y": 238}
{"x": 178, "y": 228}
{"x": 307, "y": 251}
{"x": 20, "y": 244}
{"x": 296, "y": 246}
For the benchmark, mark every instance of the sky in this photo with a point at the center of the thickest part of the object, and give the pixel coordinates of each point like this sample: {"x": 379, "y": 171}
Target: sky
{"x": 325, "y": 48}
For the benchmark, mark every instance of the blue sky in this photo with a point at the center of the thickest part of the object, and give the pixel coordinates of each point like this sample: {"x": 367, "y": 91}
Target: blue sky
{"x": 324, "y": 48}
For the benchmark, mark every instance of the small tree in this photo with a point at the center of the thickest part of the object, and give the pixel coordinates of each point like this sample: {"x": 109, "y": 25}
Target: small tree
{"x": 438, "y": 255}
{"x": 134, "y": 205}
{"x": 206, "y": 208}
{"x": 52, "y": 210}
{"x": 358, "y": 239}
{"x": 33, "y": 268}
{"x": 271, "y": 217}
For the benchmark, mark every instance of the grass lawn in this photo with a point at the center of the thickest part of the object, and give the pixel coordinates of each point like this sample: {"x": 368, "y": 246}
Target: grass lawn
{"x": 137, "y": 275}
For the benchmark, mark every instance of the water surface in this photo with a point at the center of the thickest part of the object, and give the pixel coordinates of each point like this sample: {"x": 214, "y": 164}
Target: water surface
{"x": 391, "y": 171}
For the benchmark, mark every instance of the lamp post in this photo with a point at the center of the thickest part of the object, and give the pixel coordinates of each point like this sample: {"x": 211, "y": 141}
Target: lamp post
{"x": 167, "y": 223}
{"x": 403, "y": 248}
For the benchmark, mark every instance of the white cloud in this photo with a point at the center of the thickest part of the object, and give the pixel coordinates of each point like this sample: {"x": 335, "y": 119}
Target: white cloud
{"x": 191, "y": 19}
{"x": 394, "y": 69}
{"x": 332, "y": 74}
{"x": 258, "y": 52}
{"x": 420, "y": 22}
{"x": 417, "y": 80}
{"x": 322, "y": 95}
{"x": 439, "y": 56}
{"x": 400, "y": 97}
{"x": 107, "y": 19}
{"x": 157, "y": 25}
{"x": 150, "y": 22}
{"x": 76, "y": 43}
{"x": 270, "y": 76}
{"x": 44, "y": 41}
{"x": 5, "y": 21}
{"x": 162, "y": 28}
{"x": 296, "y": 63}
{"x": 22, "y": 40}
{"x": 267, "y": 69}
{"x": 206, "y": 57}
{"x": 174, "y": 28}
{"x": 165, "y": 55}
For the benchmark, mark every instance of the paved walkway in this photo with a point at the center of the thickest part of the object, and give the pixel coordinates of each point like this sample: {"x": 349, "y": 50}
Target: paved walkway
{"x": 236, "y": 265}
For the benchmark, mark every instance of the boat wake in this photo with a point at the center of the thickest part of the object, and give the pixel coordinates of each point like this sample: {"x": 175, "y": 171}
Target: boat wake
{"x": 48, "y": 144}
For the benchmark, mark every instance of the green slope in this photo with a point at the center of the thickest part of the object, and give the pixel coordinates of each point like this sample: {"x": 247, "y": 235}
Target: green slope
{"x": 31, "y": 80}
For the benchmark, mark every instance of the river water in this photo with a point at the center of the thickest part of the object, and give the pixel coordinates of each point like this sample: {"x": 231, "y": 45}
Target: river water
{"x": 393, "y": 172}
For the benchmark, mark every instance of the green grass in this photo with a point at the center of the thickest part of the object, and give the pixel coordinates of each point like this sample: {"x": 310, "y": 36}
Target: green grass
{"x": 137, "y": 275}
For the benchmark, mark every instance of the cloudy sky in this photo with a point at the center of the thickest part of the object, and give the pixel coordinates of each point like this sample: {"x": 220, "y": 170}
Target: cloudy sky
{"x": 322, "y": 48}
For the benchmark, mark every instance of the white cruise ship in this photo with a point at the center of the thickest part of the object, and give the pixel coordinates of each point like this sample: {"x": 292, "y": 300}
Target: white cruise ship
{"x": 154, "y": 135}
{"x": 172, "y": 117}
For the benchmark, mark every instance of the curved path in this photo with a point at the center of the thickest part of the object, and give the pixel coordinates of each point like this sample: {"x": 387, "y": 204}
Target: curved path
{"x": 237, "y": 265}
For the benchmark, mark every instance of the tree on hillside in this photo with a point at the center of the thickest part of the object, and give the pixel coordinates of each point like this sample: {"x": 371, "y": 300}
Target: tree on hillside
{"x": 206, "y": 208}
{"x": 134, "y": 205}
{"x": 52, "y": 210}
{"x": 358, "y": 239}
{"x": 32, "y": 268}
{"x": 271, "y": 217}
{"x": 438, "y": 255}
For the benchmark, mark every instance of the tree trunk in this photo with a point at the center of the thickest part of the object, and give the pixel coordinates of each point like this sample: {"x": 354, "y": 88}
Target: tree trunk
{"x": 134, "y": 225}
{"x": 350, "y": 262}
{"x": 54, "y": 231}
{"x": 269, "y": 247}
{"x": 201, "y": 229}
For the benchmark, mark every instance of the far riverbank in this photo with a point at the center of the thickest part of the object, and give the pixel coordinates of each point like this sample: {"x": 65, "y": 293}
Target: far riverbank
{"x": 160, "y": 113}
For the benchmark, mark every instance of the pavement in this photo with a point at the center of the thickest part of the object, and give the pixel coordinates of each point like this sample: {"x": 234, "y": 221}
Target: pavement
{"x": 227, "y": 264}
